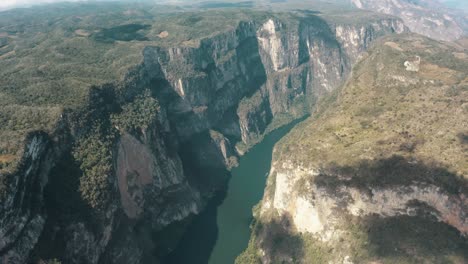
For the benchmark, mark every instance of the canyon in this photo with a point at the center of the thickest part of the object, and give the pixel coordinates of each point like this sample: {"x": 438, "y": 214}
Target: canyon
{"x": 121, "y": 124}
{"x": 142, "y": 155}
{"x": 364, "y": 185}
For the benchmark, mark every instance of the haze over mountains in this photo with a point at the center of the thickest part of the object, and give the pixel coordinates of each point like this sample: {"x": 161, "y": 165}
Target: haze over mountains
{"x": 426, "y": 17}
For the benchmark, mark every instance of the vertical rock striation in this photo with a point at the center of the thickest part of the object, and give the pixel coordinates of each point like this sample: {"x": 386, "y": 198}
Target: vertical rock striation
{"x": 230, "y": 89}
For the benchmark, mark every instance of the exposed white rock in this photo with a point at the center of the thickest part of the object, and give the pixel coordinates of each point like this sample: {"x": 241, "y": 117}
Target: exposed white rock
{"x": 347, "y": 260}
{"x": 355, "y": 40}
{"x": 413, "y": 64}
{"x": 357, "y": 3}
{"x": 306, "y": 217}
{"x": 180, "y": 88}
{"x": 313, "y": 210}
{"x": 271, "y": 43}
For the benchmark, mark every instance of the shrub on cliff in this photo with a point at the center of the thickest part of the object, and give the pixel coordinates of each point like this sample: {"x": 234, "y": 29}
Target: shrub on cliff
{"x": 137, "y": 115}
{"x": 94, "y": 154}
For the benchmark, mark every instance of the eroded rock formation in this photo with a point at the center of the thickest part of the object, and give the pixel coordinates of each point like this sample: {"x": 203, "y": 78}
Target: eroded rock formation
{"x": 224, "y": 92}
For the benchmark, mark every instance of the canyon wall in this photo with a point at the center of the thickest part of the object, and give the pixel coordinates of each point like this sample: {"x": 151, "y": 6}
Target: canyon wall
{"x": 214, "y": 102}
{"x": 372, "y": 177}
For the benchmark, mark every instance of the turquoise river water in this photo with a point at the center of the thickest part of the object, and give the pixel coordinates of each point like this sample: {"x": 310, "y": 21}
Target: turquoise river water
{"x": 220, "y": 233}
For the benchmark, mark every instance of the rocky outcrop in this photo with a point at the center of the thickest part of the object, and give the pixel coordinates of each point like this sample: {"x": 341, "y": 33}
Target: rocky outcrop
{"x": 149, "y": 174}
{"x": 302, "y": 203}
{"x": 273, "y": 70}
{"x": 23, "y": 214}
{"x": 316, "y": 204}
{"x": 373, "y": 185}
{"x": 227, "y": 90}
{"x": 356, "y": 40}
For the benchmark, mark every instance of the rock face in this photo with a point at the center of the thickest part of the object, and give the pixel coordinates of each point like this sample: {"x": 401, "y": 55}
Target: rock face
{"x": 361, "y": 183}
{"x": 20, "y": 227}
{"x": 426, "y": 17}
{"x": 146, "y": 170}
{"x": 227, "y": 90}
{"x": 316, "y": 214}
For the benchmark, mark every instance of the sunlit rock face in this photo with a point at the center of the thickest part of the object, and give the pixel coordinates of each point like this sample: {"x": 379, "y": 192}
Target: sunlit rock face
{"x": 313, "y": 208}
{"x": 426, "y": 17}
{"x": 354, "y": 185}
{"x": 216, "y": 99}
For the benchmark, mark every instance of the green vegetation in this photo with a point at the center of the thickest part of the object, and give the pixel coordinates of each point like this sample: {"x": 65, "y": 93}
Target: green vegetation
{"x": 392, "y": 172}
{"x": 138, "y": 114}
{"x": 250, "y": 255}
{"x": 276, "y": 235}
{"x": 402, "y": 239}
{"x": 3, "y": 187}
{"x": 53, "y": 57}
{"x": 385, "y": 128}
{"x": 94, "y": 155}
{"x": 122, "y": 33}
{"x": 398, "y": 239}
{"x": 409, "y": 114}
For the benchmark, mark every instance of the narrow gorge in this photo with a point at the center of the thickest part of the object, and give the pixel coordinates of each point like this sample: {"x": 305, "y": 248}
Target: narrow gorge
{"x": 120, "y": 176}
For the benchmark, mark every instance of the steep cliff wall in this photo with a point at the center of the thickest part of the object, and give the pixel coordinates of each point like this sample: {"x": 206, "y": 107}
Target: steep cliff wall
{"x": 148, "y": 152}
{"x": 22, "y": 213}
{"x": 379, "y": 175}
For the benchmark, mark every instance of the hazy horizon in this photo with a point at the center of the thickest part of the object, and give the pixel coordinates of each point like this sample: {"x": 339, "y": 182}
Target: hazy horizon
{"x": 10, "y": 4}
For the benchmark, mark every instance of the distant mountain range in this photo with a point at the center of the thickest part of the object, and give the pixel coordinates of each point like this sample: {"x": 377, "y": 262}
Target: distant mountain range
{"x": 456, "y": 4}
{"x": 426, "y": 17}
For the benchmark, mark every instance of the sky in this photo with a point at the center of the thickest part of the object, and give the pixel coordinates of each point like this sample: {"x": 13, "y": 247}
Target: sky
{"x": 5, "y": 4}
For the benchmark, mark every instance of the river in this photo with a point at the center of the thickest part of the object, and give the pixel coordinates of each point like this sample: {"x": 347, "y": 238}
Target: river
{"x": 221, "y": 232}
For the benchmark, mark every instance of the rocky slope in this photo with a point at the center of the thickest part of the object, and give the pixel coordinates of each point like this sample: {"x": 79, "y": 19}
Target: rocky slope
{"x": 118, "y": 166}
{"x": 379, "y": 173}
{"x": 427, "y": 17}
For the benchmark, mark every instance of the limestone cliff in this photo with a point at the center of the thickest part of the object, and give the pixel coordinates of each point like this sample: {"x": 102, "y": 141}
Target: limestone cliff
{"x": 379, "y": 175}
{"x": 143, "y": 154}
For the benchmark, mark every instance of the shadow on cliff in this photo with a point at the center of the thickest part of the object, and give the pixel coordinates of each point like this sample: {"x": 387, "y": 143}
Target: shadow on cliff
{"x": 391, "y": 172}
{"x": 401, "y": 238}
{"x": 63, "y": 205}
{"x": 414, "y": 238}
{"x": 192, "y": 240}
{"x": 279, "y": 242}
{"x": 198, "y": 242}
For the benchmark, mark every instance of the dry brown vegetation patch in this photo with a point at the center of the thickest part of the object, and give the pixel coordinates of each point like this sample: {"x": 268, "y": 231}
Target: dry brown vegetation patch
{"x": 393, "y": 45}
{"x": 435, "y": 72}
{"x": 460, "y": 55}
{"x": 419, "y": 45}
{"x": 7, "y": 158}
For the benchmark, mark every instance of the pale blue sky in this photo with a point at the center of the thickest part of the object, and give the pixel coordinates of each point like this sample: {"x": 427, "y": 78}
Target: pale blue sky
{"x": 7, "y": 4}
